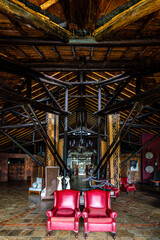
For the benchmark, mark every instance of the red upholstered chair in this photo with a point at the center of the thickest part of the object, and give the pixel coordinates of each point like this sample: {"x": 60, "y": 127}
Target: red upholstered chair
{"x": 125, "y": 186}
{"x": 97, "y": 213}
{"x": 65, "y": 213}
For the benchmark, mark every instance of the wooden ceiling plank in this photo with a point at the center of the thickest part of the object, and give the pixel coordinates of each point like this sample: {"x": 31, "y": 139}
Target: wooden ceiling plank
{"x": 145, "y": 23}
{"x": 133, "y": 13}
{"x": 18, "y": 10}
{"x": 110, "y": 74}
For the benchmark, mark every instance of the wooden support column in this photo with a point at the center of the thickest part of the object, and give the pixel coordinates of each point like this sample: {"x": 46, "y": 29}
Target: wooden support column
{"x": 99, "y": 132}
{"x": 65, "y": 147}
{"x": 60, "y": 147}
{"x": 53, "y": 133}
{"x": 113, "y": 126}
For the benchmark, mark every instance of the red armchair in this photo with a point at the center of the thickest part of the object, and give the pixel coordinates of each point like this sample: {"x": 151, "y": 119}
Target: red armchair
{"x": 125, "y": 186}
{"x": 97, "y": 213}
{"x": 65, "y": 213}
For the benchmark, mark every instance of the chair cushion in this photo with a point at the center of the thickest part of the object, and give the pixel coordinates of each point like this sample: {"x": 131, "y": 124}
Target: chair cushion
{"x": 97, "y": 212}
{"x": 65, "y": 212}
{"x": 99, "y": 220}
{"x": 131, "y": 188}
{"x": 62, "y": 219}
{"x": 35, "y": 189}
{"x": 39, "y": 185}
{"x": 39, "y": 180}
{"x": 34, "y": 185}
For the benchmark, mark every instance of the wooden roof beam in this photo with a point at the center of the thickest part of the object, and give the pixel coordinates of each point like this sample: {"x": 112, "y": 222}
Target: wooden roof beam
{"x": 21, "y": 147}
{"x": 123, "y": 16}
{"x": 142, "y": 126}
{"x": 16, "y": 98}
{"x": 122, "y": 76}
{"x": 21, "y": 70}
{"x": 18, "y": 10}
{"x": 118, "y": 90}
{"x": 20, "y": 125}
{"x": 78, "y": 42}
{"x": 48, "y": 4}
{"x": 147, "y": 97}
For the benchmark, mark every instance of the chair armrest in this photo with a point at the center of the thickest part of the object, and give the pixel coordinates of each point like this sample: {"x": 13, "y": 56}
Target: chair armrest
{"x": 85, "y": 213}
{"x": 78, "y": 213}
{"x": 50, "y": 213}
{"x": 111, "y": 213}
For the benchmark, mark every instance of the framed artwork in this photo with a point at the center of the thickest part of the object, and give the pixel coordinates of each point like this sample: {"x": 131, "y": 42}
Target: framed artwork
{"x": 133, "y": 165}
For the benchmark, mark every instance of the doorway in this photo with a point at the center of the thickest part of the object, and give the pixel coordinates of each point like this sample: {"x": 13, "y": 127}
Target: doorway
{"x": 16, "y": 169}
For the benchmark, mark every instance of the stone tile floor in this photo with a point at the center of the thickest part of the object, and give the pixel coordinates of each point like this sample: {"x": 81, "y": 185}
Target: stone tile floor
{"x": 22, "y": 216}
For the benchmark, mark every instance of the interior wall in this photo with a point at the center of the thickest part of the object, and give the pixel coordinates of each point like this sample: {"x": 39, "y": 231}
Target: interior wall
{"x": 153, "y": 147}
{"x": 28, "y": 162}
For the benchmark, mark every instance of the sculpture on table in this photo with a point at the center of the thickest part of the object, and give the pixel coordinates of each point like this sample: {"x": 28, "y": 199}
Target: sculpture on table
{"x": 59, "y": 187}
{"x": 68, "y": 186}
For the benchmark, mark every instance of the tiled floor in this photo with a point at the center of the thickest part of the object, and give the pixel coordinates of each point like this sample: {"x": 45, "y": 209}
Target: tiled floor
{"x": 22, "y": 216}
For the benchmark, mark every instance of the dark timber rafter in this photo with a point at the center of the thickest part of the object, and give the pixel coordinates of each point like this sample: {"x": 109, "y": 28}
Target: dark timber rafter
{"x": 23, "y": 144}
{"x": 50, "y": 95}
{"x": 21, "y": 147}
{"x": 143, "y": 116}
{"x": 19, "y": 10}
{"x": 19, "y": 125}
{"x": 19, "y": 99}
{"x": 119, "y": 136}
{"x": 12, "y": 96}
{"x": 19, "y": 117}
{"x": 147, "y": 97}
{"x": 117, "y": 78}
{"x": 109, "y": 24}
{"x": 145, "y": 67}
{"x": 132, "y": 155}
{"x": 76, "y": 42}
{"x": 118, "y": 90}
{"x": 28, "y": 109}
{"x": 19, "y": 69}
{"x": 143, "y": 126}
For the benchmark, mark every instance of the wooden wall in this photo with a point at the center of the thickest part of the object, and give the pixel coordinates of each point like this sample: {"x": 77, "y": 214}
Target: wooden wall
{"x": 28, "y": 163}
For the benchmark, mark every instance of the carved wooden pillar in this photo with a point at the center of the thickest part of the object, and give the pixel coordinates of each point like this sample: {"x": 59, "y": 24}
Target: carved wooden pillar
{"x": 53, "y": 133}
{"x": 60, "y": 147}
{"x": 113, "y": 126}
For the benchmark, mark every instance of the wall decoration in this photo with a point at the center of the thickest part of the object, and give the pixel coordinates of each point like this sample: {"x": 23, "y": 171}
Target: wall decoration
{"x": 133, "y": 165}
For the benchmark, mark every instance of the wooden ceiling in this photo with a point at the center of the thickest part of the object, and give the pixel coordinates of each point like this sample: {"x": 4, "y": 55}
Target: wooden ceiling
{"x": 64, "y": 39}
